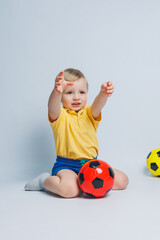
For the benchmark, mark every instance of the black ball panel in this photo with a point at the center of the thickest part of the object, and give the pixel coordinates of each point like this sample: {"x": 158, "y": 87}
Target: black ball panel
{"x": 90, "y": 195}
{"x": 94, "y": 164}
{"x": 81, "y": 178}
{"x": 148, "y": 155}
{"x": 154, "y": 166}
{"x": 111, "y": 173}
{"x": 97, "y": 182}
{"x": 109, "y": 190}
{"x": 158, "y": 153}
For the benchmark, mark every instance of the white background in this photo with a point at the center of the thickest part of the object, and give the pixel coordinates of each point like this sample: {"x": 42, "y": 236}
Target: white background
{"x": 106, "y": 40}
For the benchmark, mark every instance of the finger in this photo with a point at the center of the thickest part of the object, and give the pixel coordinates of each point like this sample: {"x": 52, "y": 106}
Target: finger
{"x": 61, "y": 73}
{"x": 70, "y": 83}
{"x": 59, "y": 78}
{"x": 109, "y": 83}
{"x": 58, "y": 84}
{"x": 109, "y": 91}
{"x": 110, "y": 88}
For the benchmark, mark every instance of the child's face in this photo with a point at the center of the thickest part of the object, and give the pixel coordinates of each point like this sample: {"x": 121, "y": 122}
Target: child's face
{"x": 75, "y": 97}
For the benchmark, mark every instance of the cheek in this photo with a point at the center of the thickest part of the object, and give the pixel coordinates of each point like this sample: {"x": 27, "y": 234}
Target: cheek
{"x": 66, "y": 99}
{"x": 84, "y": 98}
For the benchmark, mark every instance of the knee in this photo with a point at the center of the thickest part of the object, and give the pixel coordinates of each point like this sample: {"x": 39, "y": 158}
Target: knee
{"x": 121, "y": 181}
{"x": 70, "y": 190}
{"x": 124, "y": 181}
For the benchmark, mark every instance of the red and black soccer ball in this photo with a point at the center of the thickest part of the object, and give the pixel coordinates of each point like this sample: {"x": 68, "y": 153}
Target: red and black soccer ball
{"x": 96, "y": 178}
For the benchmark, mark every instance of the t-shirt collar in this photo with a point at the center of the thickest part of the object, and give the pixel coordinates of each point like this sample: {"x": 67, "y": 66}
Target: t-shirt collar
{"x": 72, "y": 112}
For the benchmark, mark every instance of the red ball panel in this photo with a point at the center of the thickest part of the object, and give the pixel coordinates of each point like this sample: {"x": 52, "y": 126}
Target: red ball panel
{"x": 99, "y": 192}
{"x": 108, "y": 183}
{"x": 89, "y": 176}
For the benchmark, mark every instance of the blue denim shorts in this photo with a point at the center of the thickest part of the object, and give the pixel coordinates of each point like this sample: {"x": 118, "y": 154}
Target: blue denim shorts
{"x": 67, "y": 163}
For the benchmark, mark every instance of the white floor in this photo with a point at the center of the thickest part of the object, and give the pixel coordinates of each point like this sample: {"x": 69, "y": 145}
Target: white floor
{"x": 130, "y": 214}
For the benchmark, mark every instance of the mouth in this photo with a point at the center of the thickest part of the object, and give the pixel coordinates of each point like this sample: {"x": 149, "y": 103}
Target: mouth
{"x": 76, "y": 104}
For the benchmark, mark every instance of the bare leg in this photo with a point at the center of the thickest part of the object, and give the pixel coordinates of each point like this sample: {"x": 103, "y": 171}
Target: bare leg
{"x": 64, "y": 184}
{"x": 121, "y": 180}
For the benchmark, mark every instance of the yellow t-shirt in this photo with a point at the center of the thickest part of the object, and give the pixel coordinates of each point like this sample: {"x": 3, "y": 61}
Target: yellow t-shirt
{"x": 75, "y": 134}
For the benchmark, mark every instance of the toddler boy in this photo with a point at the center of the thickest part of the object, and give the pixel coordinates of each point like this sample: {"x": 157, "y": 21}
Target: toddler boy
{"x": 74, "y": 127}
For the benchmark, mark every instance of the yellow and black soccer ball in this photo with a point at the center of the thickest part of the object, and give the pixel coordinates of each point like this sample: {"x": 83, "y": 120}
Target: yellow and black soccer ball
{"x": 153, "y": 162}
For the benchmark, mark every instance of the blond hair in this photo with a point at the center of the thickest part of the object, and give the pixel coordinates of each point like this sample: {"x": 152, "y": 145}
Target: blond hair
{"x": 71, "y": 75}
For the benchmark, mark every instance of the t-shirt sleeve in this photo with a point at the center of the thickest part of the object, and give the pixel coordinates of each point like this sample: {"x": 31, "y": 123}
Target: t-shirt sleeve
{"x": 55, "y": 124}
{"x": 94, "y": 121}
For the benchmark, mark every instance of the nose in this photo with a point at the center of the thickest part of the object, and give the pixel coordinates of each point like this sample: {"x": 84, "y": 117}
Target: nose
{"x": 76, "y": 96}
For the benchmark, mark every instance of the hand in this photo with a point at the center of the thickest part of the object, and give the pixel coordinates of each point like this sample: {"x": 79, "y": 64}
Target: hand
{"x": 107, "y": 88}
{"x": 61, "y": 84}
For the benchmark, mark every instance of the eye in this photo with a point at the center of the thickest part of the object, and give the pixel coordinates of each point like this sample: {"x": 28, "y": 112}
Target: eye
{"x": 70, "y": 92}
{"x": 82, "y": 92}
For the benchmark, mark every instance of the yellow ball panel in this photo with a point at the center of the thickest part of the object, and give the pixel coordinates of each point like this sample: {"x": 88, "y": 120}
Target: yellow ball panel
{"x": 153, "y": 162}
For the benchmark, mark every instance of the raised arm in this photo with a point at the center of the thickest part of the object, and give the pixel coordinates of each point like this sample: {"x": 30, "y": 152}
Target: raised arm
{"x": 54, "y": 102}
{"x": 101, "y": 99}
